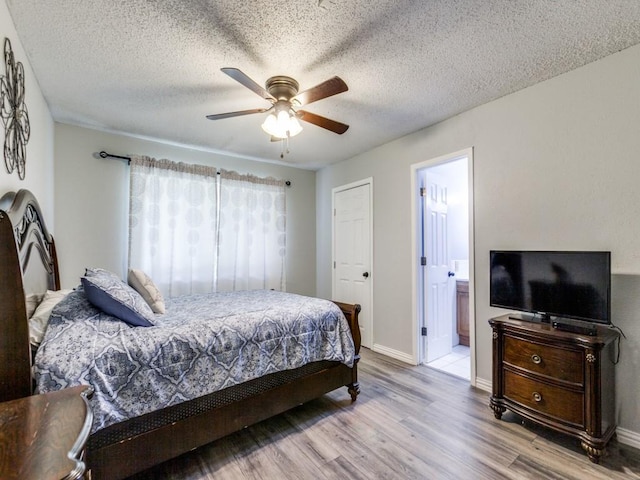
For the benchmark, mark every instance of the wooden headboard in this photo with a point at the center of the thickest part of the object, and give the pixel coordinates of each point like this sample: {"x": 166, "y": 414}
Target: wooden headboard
{"x": 28, "y": 265}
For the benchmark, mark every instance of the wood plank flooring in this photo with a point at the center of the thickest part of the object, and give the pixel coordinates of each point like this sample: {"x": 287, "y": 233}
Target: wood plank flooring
{"x": 408, "y": 423}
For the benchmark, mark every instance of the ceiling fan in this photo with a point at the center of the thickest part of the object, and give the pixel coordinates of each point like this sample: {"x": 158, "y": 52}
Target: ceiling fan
{"x": 282, "y": 93}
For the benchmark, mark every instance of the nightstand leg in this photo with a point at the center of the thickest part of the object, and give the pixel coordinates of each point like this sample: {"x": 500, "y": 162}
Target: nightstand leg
{"x": 498, "y": 410}
{"x": 593, "y": 452}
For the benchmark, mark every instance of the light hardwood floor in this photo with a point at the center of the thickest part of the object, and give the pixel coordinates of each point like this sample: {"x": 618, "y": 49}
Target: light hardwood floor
{"x": 408, "y": 423}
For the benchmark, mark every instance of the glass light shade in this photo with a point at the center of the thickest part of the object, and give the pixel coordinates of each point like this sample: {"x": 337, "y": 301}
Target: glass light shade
{"x": 281, "y": 126}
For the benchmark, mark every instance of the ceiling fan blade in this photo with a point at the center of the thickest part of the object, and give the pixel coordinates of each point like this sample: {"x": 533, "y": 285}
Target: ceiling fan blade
{"x": 323, "y": 122}
{"x": 330, "y": 87}
{"x": 242, "y": 78}
{"x": 219, "y": 116}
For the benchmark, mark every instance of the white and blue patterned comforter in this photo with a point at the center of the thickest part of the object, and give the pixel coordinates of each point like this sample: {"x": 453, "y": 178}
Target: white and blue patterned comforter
{"x": 203, "y": 343}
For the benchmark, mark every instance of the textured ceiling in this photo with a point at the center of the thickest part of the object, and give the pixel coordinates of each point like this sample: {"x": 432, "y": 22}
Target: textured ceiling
{"x": 152, "y": 68}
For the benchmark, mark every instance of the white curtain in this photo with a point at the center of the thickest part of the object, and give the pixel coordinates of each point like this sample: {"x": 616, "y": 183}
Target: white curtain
{"x": 195, "y": 231}
{"x": 172, "y": 224}
{"x": 251, "y": 233}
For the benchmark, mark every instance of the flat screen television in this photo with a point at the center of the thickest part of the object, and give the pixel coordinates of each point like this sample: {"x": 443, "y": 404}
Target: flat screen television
{"x": 566, "y": 285}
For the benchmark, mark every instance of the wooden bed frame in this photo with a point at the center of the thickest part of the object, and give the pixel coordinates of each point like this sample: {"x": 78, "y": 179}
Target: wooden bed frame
{"x": 126, "y": 448}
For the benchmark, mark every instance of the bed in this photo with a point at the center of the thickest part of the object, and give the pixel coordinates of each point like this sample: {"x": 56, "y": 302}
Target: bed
{"x": 122, "y": 445}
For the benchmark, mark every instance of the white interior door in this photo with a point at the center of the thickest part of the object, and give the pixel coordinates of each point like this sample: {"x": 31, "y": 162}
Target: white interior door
{"x": 437, "y": 284}
{"x": 352, "y": 281}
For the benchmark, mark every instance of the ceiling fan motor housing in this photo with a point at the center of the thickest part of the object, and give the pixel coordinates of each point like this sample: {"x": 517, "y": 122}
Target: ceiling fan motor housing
{"x": 282, "y": 88}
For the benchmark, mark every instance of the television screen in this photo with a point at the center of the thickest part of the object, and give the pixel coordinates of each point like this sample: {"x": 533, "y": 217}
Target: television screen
{"x": 563, "y": 284}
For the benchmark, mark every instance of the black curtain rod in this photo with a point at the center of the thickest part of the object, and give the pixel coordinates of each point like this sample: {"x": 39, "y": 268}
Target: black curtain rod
{"x": 104, "y": 154}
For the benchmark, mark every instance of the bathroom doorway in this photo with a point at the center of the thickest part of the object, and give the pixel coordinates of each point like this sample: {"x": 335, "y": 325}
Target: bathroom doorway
{"x": 443, "y": 274}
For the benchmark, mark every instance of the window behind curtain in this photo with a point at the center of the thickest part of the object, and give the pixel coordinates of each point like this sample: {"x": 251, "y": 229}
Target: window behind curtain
{"x": 251, "y": 233}
{"x": 194, "y": 231}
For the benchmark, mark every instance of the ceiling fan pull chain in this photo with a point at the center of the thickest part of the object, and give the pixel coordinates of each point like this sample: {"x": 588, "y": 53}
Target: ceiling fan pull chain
{"x": 285, "y": 146}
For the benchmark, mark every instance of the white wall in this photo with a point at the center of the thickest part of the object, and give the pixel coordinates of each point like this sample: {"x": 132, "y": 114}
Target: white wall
{"x": 39, "y": 165}
{"x": 556, "y": 166}
{"x": 91, "y": 202}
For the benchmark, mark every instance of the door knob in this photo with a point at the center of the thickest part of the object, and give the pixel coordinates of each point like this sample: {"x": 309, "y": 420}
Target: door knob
{"x": 451, "y": 274}
{"x": 365, "y": 274}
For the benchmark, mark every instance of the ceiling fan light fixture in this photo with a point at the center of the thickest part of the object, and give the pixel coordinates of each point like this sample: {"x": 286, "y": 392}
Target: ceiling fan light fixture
{"x": 294, "y": 126}
{"x": 282, "y": 124}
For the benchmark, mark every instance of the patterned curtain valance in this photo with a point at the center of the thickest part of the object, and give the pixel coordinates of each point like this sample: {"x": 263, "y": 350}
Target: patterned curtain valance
{"x": 231, "y": 175}
{"x": 164, "y": 164}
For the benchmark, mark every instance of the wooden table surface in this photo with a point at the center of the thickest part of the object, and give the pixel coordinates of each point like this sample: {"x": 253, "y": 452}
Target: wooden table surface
{"x": 43, "y": 436}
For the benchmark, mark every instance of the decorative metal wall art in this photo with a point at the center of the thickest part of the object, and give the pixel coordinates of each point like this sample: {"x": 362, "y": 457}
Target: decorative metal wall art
{"x": 14, "y": 113}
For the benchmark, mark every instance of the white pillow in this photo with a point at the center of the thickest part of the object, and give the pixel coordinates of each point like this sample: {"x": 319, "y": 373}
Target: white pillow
{"x": 32, "y": 301}
{"x": 40, "y": 318}
{"x": 142, "y": 283}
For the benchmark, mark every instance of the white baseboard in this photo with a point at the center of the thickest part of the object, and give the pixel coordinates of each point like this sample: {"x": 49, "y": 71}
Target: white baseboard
{"x": 628, "y": 437}
{"x": 483, "y": 384}
{"x": 390, "y": 352}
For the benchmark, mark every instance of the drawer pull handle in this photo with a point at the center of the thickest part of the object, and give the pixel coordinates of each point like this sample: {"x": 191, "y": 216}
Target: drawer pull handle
{"x": 537, "y": 397}
{"x": 537, "y": 359}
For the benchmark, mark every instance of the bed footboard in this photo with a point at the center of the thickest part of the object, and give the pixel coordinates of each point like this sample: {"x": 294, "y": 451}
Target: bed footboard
{"x": 351, "y": 313}
{"x": 124, "y": 449}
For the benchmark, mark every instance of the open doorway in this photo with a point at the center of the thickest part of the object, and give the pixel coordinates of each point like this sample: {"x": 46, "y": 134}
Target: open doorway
{"x": 444, "y": 251}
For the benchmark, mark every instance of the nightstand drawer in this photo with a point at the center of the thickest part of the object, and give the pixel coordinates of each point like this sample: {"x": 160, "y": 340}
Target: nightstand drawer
{"x": 565, "y": 365}
{"x": 555, "y": 401}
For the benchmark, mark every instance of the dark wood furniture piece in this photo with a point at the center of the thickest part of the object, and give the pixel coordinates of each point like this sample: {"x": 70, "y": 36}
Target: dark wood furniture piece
{"x": 42, "y": 437}
{"x": 563, "y": 380}
{"x": 128, "y": 447}
{"x": 462, "y": 311}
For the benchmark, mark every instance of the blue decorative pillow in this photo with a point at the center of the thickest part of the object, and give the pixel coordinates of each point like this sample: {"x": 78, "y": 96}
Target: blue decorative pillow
{"x": 93, "y": 272}
{"x": 111, "y": 295}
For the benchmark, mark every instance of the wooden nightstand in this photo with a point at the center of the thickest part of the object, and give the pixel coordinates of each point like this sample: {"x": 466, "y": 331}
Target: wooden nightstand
{"x": 563, "y": 380}
{"x": 43, "y": 436}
